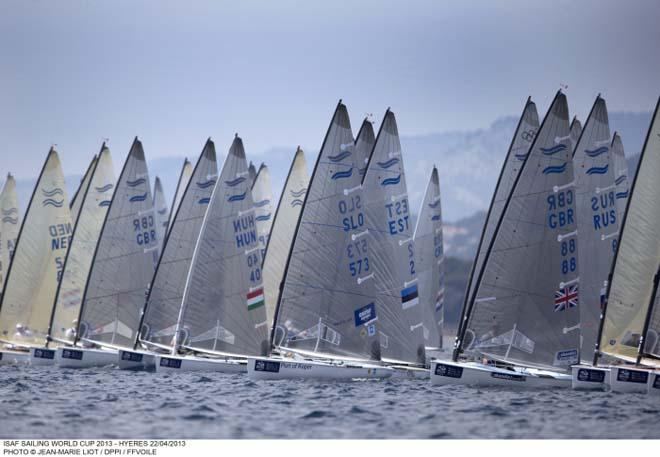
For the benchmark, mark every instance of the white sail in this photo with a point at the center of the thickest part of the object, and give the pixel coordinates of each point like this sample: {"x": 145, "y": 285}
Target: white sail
{"x": 94, "y": 202}
{"x": 10, "y": 224}
{"x": 620, "y": 176}
{"x": 35, "y": 270}
{"x": 77, "y": 200}
{"x": 123, "y": 261}
{"x": 576, "y": 131}
{"x": 262, "y": 196}
{"x": 284, "y": 226}
{"x": 165, "y": 299}
{"x": 223, "y": 309}
{"x": 182, "y": 185}
{"x": 252, "y": 174}
{"x": 525, "y": 309}
{"x": 637, "y": 260}
{"x": 161, "y": 211}
{"x": 429, "y": 262}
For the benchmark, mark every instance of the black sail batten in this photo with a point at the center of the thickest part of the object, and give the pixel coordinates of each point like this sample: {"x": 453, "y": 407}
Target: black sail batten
{"x": 464, "y": 309}
{"x": 597, "y": 353}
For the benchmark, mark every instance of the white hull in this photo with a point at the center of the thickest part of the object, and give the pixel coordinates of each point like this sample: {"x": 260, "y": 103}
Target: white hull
{"x": 587, "y": 377}
{"x": 472, "y": 374}
{"x": 276, "y": 368}
{"x": 403, "y": 372}
{"x": 175, "y": 363}
{"x": 40, "y": 357}
{"x": 75, "y": 357}
{"x": 654, "y": 383}
{"x": 629, "y": 380}
{"x": 136, "y": 360}
{"x": 14, "y": 357}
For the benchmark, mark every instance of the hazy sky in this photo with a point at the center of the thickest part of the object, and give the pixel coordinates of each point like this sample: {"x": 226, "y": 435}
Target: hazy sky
{"x": 174, "y": 73}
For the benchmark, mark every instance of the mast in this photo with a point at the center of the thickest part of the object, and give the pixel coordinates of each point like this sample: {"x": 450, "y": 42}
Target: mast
{"x": 76, "y": 204}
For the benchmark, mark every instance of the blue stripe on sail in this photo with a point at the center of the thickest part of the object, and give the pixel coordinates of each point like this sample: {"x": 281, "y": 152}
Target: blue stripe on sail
{"x": 434, "y": 205}
{"x": 342, "y": 174}
{"x": 235, "y": 182}
{"x": 237, "y": 197}
{"x": 553, "y": 150}
{"x": 621, "y": 195}
{"x": 296, "y": 202}
{"x": 554, "y": 169}
{"x": 265, "y": 217}
{"x": 138, "y": 198}
{"x": 435, "y": 217}
{"x": 391, "y": 181}
{"x": 52, "y": 202}
{"x": 10, "y": 220}
{"x": 298, "y": 193}
{"x": 521, "y": 156}
{"x": 598, "y": 170}
{"x": 388, "y": 163}
{"x": 105, "y": 188}
{"x": 596, "y": 152}
{"x": 136, "y": 183}
{"x": 204, "y": 201}
{"x": 339, "y": 157}
{"x": 53, "y": 192}
{"x": 205, "y": 184}
{"x": 261, "y": 203}
{"x": 105, "y": 203}
{"x": 7, "y": 212}
{"x": 620, "y": 179}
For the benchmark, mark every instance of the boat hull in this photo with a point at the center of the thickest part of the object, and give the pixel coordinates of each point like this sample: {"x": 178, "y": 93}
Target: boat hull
{"x": 70, "y": 357}
{"x": 14, "y": 357}
{"x": 403, "y": 372}
{"x": 629, "y": 380}
{"x": 274, "y": 369}
{"x": 136, "y": 360}
{"x": 456, "y": 373}
{"x": 40, "y": 357}
{"x": 654, "y": 383}
{"x": 171, "y": 363}
{"x": 590, "y": 378}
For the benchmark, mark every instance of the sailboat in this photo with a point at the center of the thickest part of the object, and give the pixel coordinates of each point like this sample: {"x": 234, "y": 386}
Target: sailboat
{"x": 630, "y": 325}
{"x": 161, "y": 214}
{"x": 326, "y": 318}
{"x": 121, "y": 269}
{"x": 252, "y": 174}
{"x": 576, "y": 131}
{"x": 162, "y": 309}
{"x": 223, "y": 317}
{"x": 262, "y": 196}
{"x": 526, "y": 291}
{"x": 10, "y": 223}
{"x": 35, "y": 270}
{"x": 77, "y": 200}
{"x": 94, "y": 200}
{"x": 282, "y": 231}
{"x": 181, "y": 186}
{"x": 598, "y": 231}
{"x": 620, "y": 175}
{"x": 429, "y": 263}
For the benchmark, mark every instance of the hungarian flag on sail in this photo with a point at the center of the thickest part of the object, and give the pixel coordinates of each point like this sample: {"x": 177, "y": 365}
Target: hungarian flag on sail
{"x": 255, "y": 299}
{"x": 409, "y": 296}
{"x": 566, "y": 297}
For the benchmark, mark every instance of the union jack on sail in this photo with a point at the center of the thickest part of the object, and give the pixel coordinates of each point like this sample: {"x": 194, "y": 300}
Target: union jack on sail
{"x": 566, "y": 297}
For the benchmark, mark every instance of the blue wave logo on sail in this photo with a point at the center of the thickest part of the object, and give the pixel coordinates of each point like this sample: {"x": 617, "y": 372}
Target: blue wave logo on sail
{"x": 298, "y": 193}
{"x": 10, "y": 220}
{"x": 263, "y": 217}
{"x": 52, "y": 202}
{"x": 138, "y": 198}
{"x": 235, "y": 182}
{"x": 105, "y": 203}
{"x": 105, "y": 188}
{"x": 553, "y": 150}
{"x": 339, "y": 157}
{"x": 10, "y": 211}
{"x": 136, "y": 183}
{"x": 391, "y": 181}
{"x": 237, "y": 197}
{"x": 554, "y": 169}
{"x": 598, "y": 170}
{"x": 205, "y": 184}
{"x": 261, "y": 203}
{"x": 621, "y": 195}
{"x": 343, "y": 174}
{"x": 596, "y": 152}
{"x": 296, "y": 202}
{"x": 436, "y": 217}
{"x": 620, "y": 179}
{"x": 204, "y": 201}
{"x": 52, "y": 192}
{"x": 435, "y": 204}
{"x": 521, "y": 156}
{"x": 388, "y": 163}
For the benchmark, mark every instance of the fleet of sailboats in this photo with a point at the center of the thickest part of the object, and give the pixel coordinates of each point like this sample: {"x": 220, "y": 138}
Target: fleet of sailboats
{"x": 340, "y": 280}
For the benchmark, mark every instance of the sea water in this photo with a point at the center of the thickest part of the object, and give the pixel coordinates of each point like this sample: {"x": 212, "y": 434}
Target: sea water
{"x": 50, "y": 402}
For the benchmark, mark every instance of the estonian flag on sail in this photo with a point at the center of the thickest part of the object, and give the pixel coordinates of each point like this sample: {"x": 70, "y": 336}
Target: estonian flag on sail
{"x": 255, "y": 299}
{"x": 409, "y": 296}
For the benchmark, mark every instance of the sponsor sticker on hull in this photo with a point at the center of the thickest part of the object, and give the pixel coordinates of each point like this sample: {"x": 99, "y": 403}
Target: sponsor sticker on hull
{"x": 587, "y": 375}
{"x": 508, "y": 377}
{"x": 131, "y": 356}
{"x": 267, "y": 366}
{"x": 634, "y": 376}
{"x": 44, "y": 354}
{"x": 449, "y": 371}
{"x": 72, "y": 354}
{"x": 170, "y": 363}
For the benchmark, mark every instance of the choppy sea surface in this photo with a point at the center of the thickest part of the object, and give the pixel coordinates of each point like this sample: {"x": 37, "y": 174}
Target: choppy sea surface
{"x": 42, "y": 402}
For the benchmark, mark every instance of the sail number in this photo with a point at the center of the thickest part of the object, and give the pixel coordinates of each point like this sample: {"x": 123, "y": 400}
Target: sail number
{"x": 146, "y": 233}
{"x": 254, "y": 264}
{"x": 351, "y": 210}
{"x": 604, "y": 212}
{"x": 560, "y": 210}
{"x": 60, "y": 237}
{"x": 397, "y": 216}
{"x": 357, "y": 252}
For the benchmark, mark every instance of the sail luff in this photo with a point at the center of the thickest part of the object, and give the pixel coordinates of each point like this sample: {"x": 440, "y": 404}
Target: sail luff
{"x": 181, "y": 186}
{"x": 76, "y": 201}
{"x": 262, "y": 197}
{"x": 161, "y": 213}
{"x": 10, "y": 225}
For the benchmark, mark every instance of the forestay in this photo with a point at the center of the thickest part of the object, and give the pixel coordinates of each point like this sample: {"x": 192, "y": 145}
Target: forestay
{"x": 223, "y": 310}
{"x": 429, "y": 262}
{"x": 262, "y": 196}
{"x": 525, "y": 309}
{"x": 165, "y": 299}
{"x": 182, "y": 185}
{"x": 36, "y": 267}
{"x": 123, "y": 262}
{"x": 161, "y": 214}
{"x": 327, "y": 305}
{"x": 620, "y": 176}
{"x": 77, "y": 200}
{"x": 10, "y": 223}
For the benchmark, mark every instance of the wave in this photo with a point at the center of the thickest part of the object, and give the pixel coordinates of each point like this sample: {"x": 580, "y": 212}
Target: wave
{"x": 342, "y": 174}
{"x": 235, "y": 182}
{"x": 105, "y": 203}
{"x": 138, "y": 198}
{"x": 261, "y": 203}
{"x": 555, "y": 169}
{"x": 435, "y": 204}
{"x": 7, "y": 212}
{"x": 237, "y": 197}
{"x": 10, "y": 220}
{"x": 264, "y": 217}
{"x": 436, "y": 217}
{"x": 205, "y": 184}
{"x": 620, "y": 179}
{"x": 339, "y": 157}
{"x": 553, "y": 150}
{"x": 598, "y": 170}
{"x": 298, "y": 193}
{"x": 391, "y": 181}
{"x": 105, "y": 188}
{"x": 296, "y": 202}
{"x": 136, "y": 183}
{"x": 596, "y": 152}
{"x": 52, "y": 192}
{"x": 53, "y": 202}
{"x": 388, "y": 163}
{"x": 621, "y": 195}
{"x": 204, "y": 201}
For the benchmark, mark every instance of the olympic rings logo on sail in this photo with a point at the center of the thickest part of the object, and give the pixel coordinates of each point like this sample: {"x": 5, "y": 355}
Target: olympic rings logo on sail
{"x": 528, "y": 135}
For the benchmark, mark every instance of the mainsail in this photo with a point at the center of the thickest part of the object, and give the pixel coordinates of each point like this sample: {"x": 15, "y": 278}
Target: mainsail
{"x": 161, "y": 213}
{"x": 223, "y": 309}
{"x": 283, "y": 229}
{"x": 525, "y": 308}
{"x": 597, "y": 220}
{"x": 327, "y": 305}
{"x": 637, "y": 261}
{"x": 429, "y": 262}
{"x": 123, "y": 261}
{"x": 10, "y": 223}
{"x": 76, "y": 201}
{"x": 165, "y": 299}
{"x": 620, "y": 175}
{"x": 525, "y": 133}
{"x": 94, "y": 202}
{"x": 576, "y": 131}
{"x": 36, "y": 268}
{"x": 389, "y": 222}
{"x": 182, "y": 185}
{"x": 262, "y": 196}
